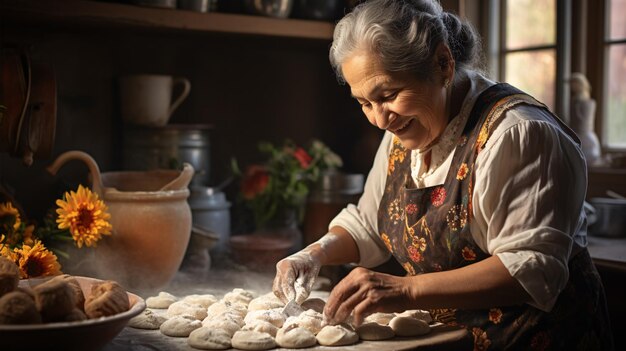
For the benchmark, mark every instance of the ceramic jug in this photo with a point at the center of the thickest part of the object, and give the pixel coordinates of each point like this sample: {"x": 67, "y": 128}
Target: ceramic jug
{"x": 151, "y": 222}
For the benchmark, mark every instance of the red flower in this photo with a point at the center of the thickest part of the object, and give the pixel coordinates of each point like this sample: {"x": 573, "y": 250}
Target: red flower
{"x": 303, "y": 157}
{"x": 468, "y": 254}
{"x": 438, "y": 196}
{"x": 415, "y": 254}
{"x": 254, "y": 181}
{"x": 411, "y": 208}
{"x": 495, "y": 315}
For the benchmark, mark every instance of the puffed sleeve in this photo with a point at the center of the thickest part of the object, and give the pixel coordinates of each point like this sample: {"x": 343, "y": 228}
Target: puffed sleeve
{"x": 361, "y": 221}
{"x": 528, "y": 196}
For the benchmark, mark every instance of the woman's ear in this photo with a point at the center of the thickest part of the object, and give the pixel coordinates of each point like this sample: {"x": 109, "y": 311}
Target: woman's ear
{"x": 445, "y": 61}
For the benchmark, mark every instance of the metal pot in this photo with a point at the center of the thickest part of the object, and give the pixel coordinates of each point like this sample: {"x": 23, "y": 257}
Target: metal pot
{"x": 211, "y": 211}
{"x": 610, "y": 218}
{"x": 272, "y": 8}
{"x": 168, "y": 147}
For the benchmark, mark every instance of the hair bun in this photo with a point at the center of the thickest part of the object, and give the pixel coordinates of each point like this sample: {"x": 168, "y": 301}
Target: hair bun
{"x": 462, "y": 38}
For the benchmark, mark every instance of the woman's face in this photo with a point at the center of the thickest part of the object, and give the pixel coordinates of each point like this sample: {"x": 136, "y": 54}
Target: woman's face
{"x": 414, "y": 111}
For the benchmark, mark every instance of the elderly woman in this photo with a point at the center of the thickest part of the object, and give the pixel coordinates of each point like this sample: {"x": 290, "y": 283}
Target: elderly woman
{"x": 477, "y": 190}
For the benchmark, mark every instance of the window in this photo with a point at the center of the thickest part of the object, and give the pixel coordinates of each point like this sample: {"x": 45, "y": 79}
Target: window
{"x": 614, "y": 126}
{"x": 528, "y": 51}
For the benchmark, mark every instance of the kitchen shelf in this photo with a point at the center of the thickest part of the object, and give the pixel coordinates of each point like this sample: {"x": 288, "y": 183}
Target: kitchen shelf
{"x": 95, "y": 14}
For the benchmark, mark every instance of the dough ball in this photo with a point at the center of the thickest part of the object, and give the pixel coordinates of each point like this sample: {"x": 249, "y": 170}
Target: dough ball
{"x": 106, "y": 299}
{"x": 178, "y": 308}
{"x": 309, "y": 319}
{"x": 221, "y": 306}
{"x": 55, "y": 299}
{"x": 251, "y": 340}
{"x": 147, "y": 320}
{"x": 217, "y": 308}
{"x": 374, "y": 331}
{"x": 409, "y": 326}
{"x": 205, "y": 300}
{"x": 181, "y": 326}
{"x": 75, "y": 316}
{"x": 228, "y": 315}
{"x": 418, "y": 314}
{"x": 261, "y": 327}
{"x": 336, "y": 335}
{"x": 9, "y": 276}
{"x": 78, "y": 291}
{"x": 295, "y": 338}
{"x": 228, "y": 326}
{"x": 315, "y": 304}
{"x": 274, "y": 316}
{"x": 239, "y": 296}
{"x": 18, "y": 308}
{"x": 162, "y": 300}
{"x": 209, "y": 339}
{"x": 265, "y": 302}
{"x": 379, "y": 317}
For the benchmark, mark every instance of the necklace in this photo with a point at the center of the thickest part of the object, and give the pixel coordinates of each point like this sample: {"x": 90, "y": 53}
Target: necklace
{"x": 438, "y": 150}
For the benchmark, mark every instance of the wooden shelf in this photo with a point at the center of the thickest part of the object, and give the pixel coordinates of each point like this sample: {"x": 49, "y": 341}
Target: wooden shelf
{"x": 94, "y": 14}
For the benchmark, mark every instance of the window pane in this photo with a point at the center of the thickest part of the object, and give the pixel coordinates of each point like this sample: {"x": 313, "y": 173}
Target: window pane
{"x": 533, "y": 72}
{"x": 618, "y": 19}
{"x": 530, "y": 23}
{"x": 615, "y": 125}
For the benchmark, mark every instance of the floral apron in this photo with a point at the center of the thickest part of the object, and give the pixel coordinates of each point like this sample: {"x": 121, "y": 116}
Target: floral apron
{"x": 427, "y": 230}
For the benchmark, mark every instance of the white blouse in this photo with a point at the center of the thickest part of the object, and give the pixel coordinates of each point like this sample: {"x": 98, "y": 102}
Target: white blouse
{"x": 528, "y": 197}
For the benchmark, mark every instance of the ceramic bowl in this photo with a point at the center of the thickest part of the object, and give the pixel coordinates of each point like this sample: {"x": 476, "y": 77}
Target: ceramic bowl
{"x": 91, "y": 334}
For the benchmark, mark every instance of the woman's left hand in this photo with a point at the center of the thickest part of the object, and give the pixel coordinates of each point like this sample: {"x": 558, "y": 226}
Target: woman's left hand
{"x": 364, "y": 292}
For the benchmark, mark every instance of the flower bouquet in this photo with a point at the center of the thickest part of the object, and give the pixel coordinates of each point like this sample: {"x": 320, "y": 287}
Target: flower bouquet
{"x": 80, "y": 218}
{"x": 281, "y": 184}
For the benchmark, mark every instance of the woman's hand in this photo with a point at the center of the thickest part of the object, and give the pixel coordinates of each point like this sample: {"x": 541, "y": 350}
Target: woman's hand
{"x": 295, "y": 276}
{"x": 364, "y": 292}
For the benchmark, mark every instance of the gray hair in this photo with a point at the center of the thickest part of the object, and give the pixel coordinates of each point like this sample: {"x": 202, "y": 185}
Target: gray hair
{"x": 404, "y": 34}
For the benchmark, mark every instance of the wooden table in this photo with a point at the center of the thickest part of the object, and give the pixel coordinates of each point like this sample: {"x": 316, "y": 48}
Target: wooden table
{"x": 219, "y": 282}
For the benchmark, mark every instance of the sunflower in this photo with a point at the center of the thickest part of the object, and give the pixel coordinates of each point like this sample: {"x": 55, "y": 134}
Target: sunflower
{"x": 5, "y": 250}
{"x": 85, "y": 215}
{"x": 9, "y": 217}
{"x": 36, "y": 261}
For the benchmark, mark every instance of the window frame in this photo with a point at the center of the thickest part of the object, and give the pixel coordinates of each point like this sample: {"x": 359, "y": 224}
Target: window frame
{"x": 497, "y": 55}
{"x": 598, "y": 42}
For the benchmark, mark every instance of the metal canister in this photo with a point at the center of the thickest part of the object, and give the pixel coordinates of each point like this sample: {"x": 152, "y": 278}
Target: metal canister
{"x": 334, "y": 191}
{"x": 168, "y": 147}
{"x": 211, "y": 211}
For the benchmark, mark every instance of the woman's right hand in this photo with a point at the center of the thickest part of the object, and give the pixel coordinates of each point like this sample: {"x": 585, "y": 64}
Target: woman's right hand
{"x": 295, "y": 276}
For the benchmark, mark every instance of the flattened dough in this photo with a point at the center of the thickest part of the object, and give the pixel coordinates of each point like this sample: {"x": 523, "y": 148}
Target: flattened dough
{"x": 274, "y": 316}
{"x": 228, "y": 326}
{"x": 162, "y": 300}
{"x": 409, "y": 326}
{"x": 315, "y": 304}
{"x": 262, "y": 327}
{"x": 419, "y": 314}
{"x": 180, "y": 326}
{"x": 178, "y": 308}
{"x": 204, "y": 300}
{"x": 336, "y": 335}
{"x": 209, "y": 339}
{"x": 251, "y": 340}
{"x": 374, "y": 331}
{"x": 147, "y": 320}
{"x": 380, "y": 318}
{"x": 295, "y": 338}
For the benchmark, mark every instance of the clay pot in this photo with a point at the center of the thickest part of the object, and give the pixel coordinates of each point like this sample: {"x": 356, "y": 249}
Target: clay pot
{"x": 260, "y": 252}
{"x": 151, "y": 223}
